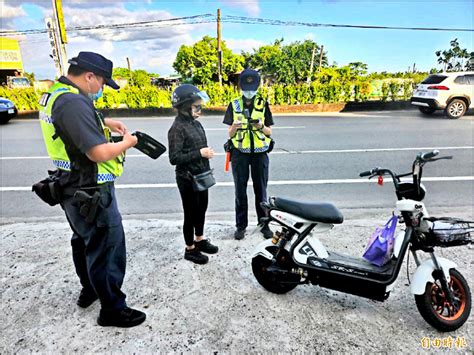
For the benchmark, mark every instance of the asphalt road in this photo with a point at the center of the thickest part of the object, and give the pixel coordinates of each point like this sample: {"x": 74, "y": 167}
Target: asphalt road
{"x": 316, "y": 158}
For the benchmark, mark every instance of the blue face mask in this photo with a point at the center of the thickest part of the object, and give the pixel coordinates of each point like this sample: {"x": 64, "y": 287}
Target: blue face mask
{"x": 96, "y": 96}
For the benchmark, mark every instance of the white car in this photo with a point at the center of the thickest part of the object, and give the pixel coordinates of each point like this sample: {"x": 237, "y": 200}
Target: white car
{"x": 7, "y": 110}
{"x": 451, "y": 92}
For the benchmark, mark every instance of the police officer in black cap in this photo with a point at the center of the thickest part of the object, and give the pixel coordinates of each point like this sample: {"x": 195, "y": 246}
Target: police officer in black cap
{"x": 78, "y": 140}
{"x": 250, "y": 120}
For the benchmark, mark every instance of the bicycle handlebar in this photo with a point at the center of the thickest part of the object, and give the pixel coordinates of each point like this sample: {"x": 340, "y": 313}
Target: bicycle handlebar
{"x": 365, "y": 173}
{"x": 429, "y": 155}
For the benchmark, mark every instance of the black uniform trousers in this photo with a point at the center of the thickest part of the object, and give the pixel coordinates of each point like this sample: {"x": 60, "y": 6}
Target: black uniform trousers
{"x": 98, "y": 249}
{"x": 244, "y": 164}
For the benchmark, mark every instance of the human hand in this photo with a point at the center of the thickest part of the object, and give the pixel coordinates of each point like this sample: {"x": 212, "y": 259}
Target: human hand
{"x": 130, "y": 140}
{"x": 207, "y": 152}
{"x": 116, "y": 126}
{"x": 258, "y": 124}
{"x": 236, "y": 124}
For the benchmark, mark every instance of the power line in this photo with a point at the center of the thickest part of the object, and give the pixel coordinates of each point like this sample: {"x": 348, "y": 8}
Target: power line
{"x": 115, "y": 26}
{"x": 210, "y": 18}
{"x": 263, "y": 21}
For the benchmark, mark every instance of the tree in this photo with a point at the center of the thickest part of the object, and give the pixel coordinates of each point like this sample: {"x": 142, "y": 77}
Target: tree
{"x": 199, "y": 61}
{"x": 287, "y": 64}
{"x": 265, "y": 59}
{"x": 141, "y": 78}
{"x": 453, "y": 58}
{"x": 358, "y": 68}
{"x": 120, "y": 73}
{"x": 137, "y": 77}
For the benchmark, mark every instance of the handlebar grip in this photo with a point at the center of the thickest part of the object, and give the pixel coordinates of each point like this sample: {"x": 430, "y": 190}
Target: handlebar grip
{"x": 365, "y": 173}
{"x": 429, "y": 155}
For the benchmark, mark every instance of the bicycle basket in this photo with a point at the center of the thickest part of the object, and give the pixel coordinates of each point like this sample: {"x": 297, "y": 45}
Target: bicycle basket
{"x": 451, "y": 232}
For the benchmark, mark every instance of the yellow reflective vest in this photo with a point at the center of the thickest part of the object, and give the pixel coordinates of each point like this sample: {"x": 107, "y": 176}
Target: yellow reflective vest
{"x": 107, "y": 171}
{"x": 249, "y": 139}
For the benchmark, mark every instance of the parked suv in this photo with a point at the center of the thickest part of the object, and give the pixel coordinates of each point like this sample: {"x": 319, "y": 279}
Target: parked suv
{"x": 451, "y": 92}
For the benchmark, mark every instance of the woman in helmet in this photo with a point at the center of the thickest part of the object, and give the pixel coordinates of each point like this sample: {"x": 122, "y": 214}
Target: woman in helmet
{"x": 188, "y": 150}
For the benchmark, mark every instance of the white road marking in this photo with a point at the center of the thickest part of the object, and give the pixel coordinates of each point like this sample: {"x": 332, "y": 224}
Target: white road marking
{"x": 285, "y": 152}
{"x": 277, "y": 182}
{"x": 273, "y": 128}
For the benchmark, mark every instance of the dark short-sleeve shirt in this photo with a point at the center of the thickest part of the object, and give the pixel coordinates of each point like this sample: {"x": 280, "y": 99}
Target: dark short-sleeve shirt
{"x": 75, "y": 116}
{"x": 77, "y": 125}
{"x": 229, "y": 114}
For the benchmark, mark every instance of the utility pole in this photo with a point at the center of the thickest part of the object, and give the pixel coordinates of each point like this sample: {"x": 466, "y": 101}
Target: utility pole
{"x": 219, "y": 50}
{"x": 414, "y": 67}
{"x": 60, "y": 33}
{"x": 311, "y": 65}
{"x": 53, "y": 41}
{"x": 321, "y": 58}
{"x": 129, "y": 72}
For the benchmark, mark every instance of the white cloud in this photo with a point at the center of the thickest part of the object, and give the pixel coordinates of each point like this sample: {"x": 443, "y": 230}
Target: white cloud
{"x": 247, "y": 45}
{"x": 118, "y": 15}
{"x": 106, "y": 48}
{"x": 11, "y": 11}
{"x": 150, "y": 48}
{"x": 252, "y": 7}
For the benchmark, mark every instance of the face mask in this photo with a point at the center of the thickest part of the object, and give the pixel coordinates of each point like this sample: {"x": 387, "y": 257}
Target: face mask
{"x": 196, "y": 111}
{"x": 97, "y": 95}
{"x": 250, "y": 94}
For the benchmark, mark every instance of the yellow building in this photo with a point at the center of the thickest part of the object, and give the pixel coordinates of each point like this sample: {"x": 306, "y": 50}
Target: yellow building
{"x": 11, "y": 64}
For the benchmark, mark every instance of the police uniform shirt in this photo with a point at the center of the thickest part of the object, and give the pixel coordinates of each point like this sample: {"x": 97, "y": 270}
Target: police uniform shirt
{"x": 75, "y": 118}
{"x": 229, "y": 115}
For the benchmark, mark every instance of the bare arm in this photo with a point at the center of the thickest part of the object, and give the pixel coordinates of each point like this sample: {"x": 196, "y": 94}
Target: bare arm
{"x": 266, "y": 130}
{"x": 233, "y": 129}
{"x": 107, "y": 151}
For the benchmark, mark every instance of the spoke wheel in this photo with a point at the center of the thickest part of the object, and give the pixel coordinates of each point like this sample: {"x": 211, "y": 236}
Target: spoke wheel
{"x": 456, "y": 108}
{"x": 438, "y": 311}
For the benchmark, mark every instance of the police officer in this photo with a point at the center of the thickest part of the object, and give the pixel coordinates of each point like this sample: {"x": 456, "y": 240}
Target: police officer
{"x": 250, "y": 120}
{"x": 78, "y": 141}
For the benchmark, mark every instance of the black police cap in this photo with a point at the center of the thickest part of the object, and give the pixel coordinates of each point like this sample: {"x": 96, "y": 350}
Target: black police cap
{"x": 97, "y": 64}
{"x": 249, "y": 80}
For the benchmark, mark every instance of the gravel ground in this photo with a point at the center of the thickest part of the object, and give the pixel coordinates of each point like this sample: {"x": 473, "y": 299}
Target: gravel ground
{"x": 218, "y": 307}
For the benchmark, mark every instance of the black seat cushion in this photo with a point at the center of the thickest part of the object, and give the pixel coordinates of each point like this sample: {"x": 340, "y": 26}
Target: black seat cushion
{"x": 317, "y": 211}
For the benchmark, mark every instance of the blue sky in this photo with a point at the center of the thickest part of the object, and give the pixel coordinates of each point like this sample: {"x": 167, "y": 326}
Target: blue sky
{"x": 154, "y": 49}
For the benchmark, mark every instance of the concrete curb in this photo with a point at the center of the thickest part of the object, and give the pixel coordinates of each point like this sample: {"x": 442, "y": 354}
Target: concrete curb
{"x": 280, "y": 109}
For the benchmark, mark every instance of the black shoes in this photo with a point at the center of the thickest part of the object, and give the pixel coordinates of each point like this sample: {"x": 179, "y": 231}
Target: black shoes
{"x": 266, "y": 231}
{"x": 205, "y": 246}
{"x": 124, "y": 318}
{"x": 86, "y": 298}
{"x": 239, "y": 234}
{"x": 195, "y": 256}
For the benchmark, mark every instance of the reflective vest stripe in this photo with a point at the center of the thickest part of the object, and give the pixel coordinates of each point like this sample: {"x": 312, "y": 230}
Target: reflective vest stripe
{"x": 63, "y": 165}
{"x": 101, "y": 178}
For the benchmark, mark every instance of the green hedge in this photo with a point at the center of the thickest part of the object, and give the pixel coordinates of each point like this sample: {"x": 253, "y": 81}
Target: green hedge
{"x": 278, "y": 94}
{"x": 24, "y": 99}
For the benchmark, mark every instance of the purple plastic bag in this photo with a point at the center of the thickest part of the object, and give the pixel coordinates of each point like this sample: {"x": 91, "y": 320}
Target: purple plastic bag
{"x": 379, "y": 249}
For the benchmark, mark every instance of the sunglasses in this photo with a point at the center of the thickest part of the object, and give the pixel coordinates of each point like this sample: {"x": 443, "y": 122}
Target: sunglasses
{"x": 196, "y": 108}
